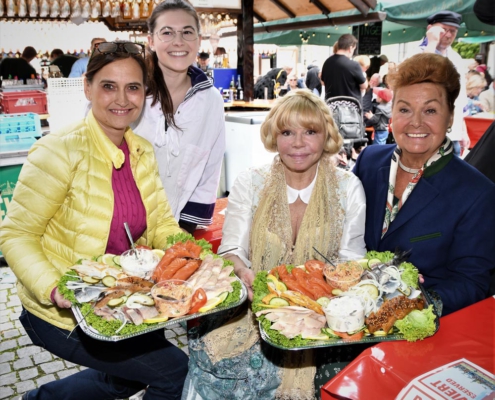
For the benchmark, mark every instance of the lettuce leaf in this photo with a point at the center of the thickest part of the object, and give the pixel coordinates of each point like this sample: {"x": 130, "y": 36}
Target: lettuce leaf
{"x": 409, "y": 274}
{"x": 417, "y": 324}
{"x": 383, "y": 256}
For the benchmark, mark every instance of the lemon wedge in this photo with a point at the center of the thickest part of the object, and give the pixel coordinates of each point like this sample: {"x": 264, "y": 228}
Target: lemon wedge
{"x": 155, "y": 320}
{"x": 108, "y": 259}
{"x": 159, "y": 252}
{"x": 214, "y": 301}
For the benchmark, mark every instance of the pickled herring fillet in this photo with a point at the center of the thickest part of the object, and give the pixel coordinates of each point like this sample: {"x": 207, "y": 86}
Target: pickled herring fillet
{"x": 292, "y": 321}
{"x": 97, "y": 270}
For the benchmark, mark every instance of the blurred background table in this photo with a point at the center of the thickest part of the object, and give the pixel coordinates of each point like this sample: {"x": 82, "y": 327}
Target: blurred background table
{"x": 388, "y": 367}
{"x": 477, "y": 125}
{"x": 213, "y": 233}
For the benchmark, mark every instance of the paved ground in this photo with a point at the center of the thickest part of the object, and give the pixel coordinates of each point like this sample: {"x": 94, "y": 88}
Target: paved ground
{"x": 24, "y": 366}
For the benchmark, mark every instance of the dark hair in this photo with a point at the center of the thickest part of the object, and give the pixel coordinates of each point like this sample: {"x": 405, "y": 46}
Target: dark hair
{"x": 100, "y": 60}
{"x": 56, "y": 53}
{"x": 428, "y": 68}
{"x": 346, "y": 41}
{"x": 157, "y": 87}
{"x": 29, "y": 53}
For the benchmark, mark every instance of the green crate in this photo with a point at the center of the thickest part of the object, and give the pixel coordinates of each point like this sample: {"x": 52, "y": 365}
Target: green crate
{"x": 8, "y": 179}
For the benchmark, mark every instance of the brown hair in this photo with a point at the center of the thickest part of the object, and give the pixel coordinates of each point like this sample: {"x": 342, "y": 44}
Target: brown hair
{"x": 346, "y": 41}
{"x": 427, "y": 68}
{"x": 100, "y": 60}
{"x": 157, "y": 87}
{"x": 302, "y": 109}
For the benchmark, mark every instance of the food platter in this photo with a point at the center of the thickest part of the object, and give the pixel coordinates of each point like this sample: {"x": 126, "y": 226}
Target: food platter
{"x": 94, "y": 333}
{"x": 117, "y": 297}
{"x": 310, "y": 344}
{"x": 316, "y": 304}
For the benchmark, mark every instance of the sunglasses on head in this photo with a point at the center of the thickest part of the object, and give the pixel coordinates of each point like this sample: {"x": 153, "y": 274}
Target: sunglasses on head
{"x": 119, "y": 47}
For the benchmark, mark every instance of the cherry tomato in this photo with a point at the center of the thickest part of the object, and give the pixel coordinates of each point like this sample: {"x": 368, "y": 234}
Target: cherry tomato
{"x": 198, "y": 300}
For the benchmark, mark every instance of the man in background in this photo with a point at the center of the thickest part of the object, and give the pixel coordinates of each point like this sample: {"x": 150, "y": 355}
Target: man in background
{"x": 12, "y": 67}
{"x": 375, "y": 65}
{"x": 341, "y": 75}
{"x": 79, "y": 67}
{"x": 63, "y": 61}
{"x": 440, "y": 34}
{"x": 204, "y": 61}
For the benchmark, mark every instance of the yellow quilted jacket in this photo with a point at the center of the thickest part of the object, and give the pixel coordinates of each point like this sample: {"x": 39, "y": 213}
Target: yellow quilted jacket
{"x": 62, "y": 209}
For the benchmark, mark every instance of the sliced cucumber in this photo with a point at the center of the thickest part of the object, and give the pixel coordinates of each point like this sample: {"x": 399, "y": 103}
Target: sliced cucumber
{"x": 108, "y": 259}
{"x": 279, "y": 302}
{"x": 363, "y": 262}
{"x": 116, "y": 302}
{"x": 109, "y": 281}
{"x": 137, "y": 300}
{"x": 223, "y": 296}
{"x": 98, "y": 259}
{"x": 357, "y": 331}
{"x": 323, "y": 301}
{"x": 372, "y": 290}
{"x": 337, "y": 292}
{"x": 116, "y": 261}
{"x": 329, "y": 332}
{"x": 91, "y": 280}
{"x": 373, "y": 262}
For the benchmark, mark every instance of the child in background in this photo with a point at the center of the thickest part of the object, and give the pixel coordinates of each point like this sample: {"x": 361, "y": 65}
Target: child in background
{"x": 364, "y": 62}
{"x": 379, "y": 120}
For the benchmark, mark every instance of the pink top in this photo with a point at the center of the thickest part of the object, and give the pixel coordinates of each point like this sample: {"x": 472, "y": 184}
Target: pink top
{"x": 128, "y": 207}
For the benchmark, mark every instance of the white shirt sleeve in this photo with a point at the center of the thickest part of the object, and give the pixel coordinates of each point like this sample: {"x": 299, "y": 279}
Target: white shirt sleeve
{"x": 239, "y": 218}
{"x": 352, "y": 246}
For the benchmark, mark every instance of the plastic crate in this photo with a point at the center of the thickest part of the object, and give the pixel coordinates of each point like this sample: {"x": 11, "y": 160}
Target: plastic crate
{"x": 18, "y": 132}
{"x": 20, "y": 123}
{"x": 24, "y": 101}
{"x": 66, "y": 101}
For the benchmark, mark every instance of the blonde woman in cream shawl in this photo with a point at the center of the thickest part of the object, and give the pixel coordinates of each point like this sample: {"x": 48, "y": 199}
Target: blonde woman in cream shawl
{"x": 276, "y": 215}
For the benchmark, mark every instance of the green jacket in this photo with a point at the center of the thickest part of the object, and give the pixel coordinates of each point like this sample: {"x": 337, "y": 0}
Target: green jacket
{"x": 62, "y": 209}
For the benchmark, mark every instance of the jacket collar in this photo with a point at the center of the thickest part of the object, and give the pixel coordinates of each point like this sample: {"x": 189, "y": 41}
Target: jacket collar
{"x": 199, "y": 81}
{"x": 111, "y": 152}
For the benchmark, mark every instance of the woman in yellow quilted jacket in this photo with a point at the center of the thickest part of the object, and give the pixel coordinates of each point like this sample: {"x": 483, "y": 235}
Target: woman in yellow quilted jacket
{"x": 75, "y": 191}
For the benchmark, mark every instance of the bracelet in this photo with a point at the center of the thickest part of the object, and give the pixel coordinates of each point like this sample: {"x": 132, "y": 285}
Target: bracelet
{"x": 52, "y": 295}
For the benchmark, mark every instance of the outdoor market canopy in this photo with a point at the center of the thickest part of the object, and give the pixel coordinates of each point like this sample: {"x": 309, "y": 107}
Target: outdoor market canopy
{"x": 403, "y": 21}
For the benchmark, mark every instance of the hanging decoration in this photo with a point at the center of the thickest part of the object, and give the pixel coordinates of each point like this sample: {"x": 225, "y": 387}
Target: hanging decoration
{"x": 33, "y": 8}
{"x": 211, "y": 23}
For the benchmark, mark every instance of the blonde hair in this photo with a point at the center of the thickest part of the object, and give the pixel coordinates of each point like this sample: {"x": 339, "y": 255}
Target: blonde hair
{"x": 301, "y": 109}
{"x": 475, "y": 81}
{"x": 364, "y": 61}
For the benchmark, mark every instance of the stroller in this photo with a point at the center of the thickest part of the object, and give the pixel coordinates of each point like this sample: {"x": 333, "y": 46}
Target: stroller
{"x": 348, "y": 116}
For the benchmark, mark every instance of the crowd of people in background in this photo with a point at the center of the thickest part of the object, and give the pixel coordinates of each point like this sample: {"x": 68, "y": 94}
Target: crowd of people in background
{"x": 157, "y": 167}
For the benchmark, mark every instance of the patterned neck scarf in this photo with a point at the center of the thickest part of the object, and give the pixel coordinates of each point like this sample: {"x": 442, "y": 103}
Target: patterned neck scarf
{"x": 392, "y": 209}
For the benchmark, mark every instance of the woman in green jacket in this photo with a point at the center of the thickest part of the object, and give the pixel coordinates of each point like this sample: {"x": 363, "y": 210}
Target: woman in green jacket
{"x": 75, "y": 191}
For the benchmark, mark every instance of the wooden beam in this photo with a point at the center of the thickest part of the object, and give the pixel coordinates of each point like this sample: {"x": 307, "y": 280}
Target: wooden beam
{"x": 361, "y": 6}
{"x": 319, "y": 23}
{"x": 283, "y": 8}
{"x": 247, "y": 48}
{"x": 322, "y": 7}
{"x": 258, "y": 17}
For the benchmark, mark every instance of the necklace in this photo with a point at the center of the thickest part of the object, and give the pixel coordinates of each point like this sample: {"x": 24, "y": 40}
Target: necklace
{"x": 410, "y": 170}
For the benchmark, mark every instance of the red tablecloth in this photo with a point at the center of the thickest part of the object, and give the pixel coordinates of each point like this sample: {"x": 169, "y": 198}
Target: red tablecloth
{"x": 381, "y": 371}
{"x": 213, "y": 232}
{"x": 476, "y": 126}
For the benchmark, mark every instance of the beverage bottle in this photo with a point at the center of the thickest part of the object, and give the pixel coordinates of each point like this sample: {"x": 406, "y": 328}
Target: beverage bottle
{"x": 232, "y": 91}
{"x": 240, "y": 91}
